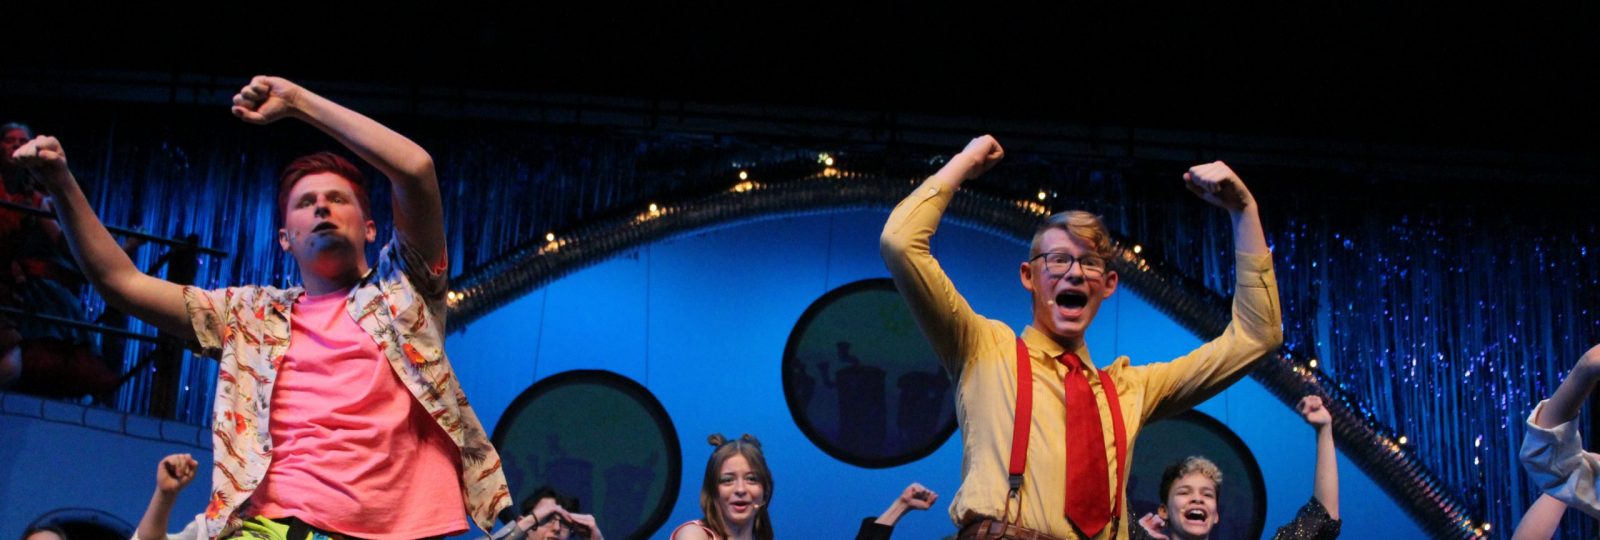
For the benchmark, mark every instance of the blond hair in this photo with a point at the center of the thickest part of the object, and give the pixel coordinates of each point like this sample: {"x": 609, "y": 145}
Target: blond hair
{"x": 1081, "y": 225}
{"x": 1190, "y": 465}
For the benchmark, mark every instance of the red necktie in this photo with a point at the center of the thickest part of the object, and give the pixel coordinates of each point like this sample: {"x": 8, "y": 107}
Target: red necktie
{"x": 1088, "y": 503}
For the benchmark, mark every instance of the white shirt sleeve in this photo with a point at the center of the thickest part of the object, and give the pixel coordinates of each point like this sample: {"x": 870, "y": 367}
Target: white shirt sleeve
{"x": 195, "y": 530}
{"x": 1556, "y": 462}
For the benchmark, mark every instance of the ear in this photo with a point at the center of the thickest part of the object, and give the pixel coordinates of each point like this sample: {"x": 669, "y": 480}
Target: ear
{"x": 1111, "y": 280}
{"x": 283, "y": 239}
{"x": 1162, "y": 511}
{"x": 372, "y": 232}
{"x": 1026, "y": 273}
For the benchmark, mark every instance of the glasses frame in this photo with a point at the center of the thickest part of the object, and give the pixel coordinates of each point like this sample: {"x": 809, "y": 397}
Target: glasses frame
{"x": 1071, "y": 261}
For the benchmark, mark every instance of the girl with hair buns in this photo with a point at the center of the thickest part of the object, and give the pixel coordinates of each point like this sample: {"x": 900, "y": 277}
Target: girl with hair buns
{"x": 734, "y": 495}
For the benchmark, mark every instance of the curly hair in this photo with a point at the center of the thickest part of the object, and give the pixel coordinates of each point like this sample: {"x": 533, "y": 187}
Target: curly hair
{"x": 1190, "y": 465}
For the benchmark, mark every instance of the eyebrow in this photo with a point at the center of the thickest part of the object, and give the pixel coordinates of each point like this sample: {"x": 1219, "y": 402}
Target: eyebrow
{"x": 330, "y": 191}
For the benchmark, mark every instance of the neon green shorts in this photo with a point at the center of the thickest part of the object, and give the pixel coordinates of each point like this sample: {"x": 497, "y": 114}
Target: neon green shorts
{"x": 260, "y": 528}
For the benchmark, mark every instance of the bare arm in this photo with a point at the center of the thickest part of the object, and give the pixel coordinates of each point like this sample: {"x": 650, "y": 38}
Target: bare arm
{"x": 1568, "y": 399}
{"x": 172, "y": 475}
{"x": 156, "y": 301}
{"x": 1541, "y": 520}
{"x": 1217, "y": 184}
{"x": 418, "y": 211}
{"x": 914, "y": 497}
{"x": 1326, "y": 487}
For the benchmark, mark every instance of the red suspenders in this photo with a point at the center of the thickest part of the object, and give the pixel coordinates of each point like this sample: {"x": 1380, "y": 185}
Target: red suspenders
{"x": 1024, "y": 420}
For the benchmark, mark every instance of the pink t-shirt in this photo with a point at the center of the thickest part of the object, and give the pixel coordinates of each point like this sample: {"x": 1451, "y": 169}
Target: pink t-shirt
{"x": 353, "y": 451}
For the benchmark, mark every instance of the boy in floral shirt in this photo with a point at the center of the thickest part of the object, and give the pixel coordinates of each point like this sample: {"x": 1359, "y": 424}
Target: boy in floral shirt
{"x": 336, "y": 411}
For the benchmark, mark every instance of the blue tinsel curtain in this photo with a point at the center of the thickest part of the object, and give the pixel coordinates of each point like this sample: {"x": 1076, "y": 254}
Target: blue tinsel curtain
{"x": 1450, "y": 316}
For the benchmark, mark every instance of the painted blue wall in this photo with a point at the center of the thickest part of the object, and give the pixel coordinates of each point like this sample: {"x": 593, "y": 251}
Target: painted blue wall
{"x": 702, "y": 320}
{"x": 56, "y": 455}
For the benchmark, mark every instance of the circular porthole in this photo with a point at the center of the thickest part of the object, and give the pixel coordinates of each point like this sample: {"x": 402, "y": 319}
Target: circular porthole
{"x": 862, "y": 382}
{"x": 1242, "y": 501}
{"x": 597, "y": 436}
{"x": 86, "y": 524}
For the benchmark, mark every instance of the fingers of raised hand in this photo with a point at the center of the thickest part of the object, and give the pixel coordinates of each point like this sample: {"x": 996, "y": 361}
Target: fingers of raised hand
{"x": 41, "y": 149}
{"x": 245, "y": 101}
{"x": 1211, "y": 176}
{"x": 1310, "y": 404}
{"x": 254, "y": 92}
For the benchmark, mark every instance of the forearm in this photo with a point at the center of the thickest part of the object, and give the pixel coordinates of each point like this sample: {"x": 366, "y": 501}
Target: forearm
{"x": 153, "y": 526}
{"x": 418, "y": 209}
{"x": 517, "y": 533}
{"x": 1248, "y": 236}
{"x": 1540, "y": 522}
{"x": 1326, "y": 488}
{"x": 892, "y": 516}
{"x": 108, "y": 267}
{"x": 1256, "y": 307}
{"x": 1567, "y": 400}
{"x": 953, "y": 173}
{"x": 1255, "y": 330}
{"x": 913, "y": 221}
{"x": 96, "y": 251}
{"x": 398, "y": 157}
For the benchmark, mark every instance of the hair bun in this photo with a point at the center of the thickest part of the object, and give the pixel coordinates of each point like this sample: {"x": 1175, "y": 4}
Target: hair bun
{"x": 750, "y": 440}
{"x": 716, "y": 439}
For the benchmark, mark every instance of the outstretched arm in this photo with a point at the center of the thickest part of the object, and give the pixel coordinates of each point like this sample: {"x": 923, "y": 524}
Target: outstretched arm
{"x": 1568, "y": 399}
{"x": 1552, "y": 448}
{"x": 1326, "y": 487}
{"x": 172, "y": 475}
{"x": 418, "y": 212}
{"x": 156, "y": 301}
{"x": 1257, "y": 325}
{"x": 943, "y": 315}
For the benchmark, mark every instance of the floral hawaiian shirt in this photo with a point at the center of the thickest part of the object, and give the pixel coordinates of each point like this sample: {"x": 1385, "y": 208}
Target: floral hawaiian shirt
{"x": 401, "y": 304}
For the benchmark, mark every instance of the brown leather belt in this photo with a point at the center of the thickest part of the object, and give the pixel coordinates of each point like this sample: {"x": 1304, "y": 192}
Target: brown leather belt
{"x": 994, "y": 529}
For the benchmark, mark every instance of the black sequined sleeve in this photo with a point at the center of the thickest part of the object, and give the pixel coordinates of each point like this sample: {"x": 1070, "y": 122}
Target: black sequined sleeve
{"x": 1312, "y": 522}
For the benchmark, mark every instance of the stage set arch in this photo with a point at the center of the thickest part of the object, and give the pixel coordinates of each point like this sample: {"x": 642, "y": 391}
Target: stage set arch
{"x": 700, "y": 304}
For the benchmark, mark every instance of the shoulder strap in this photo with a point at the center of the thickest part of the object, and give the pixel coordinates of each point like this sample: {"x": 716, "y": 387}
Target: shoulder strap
{"x": 1023, "y": 420}
{"x": 1120, "y": 432}
{"x": 1023, "y": 416}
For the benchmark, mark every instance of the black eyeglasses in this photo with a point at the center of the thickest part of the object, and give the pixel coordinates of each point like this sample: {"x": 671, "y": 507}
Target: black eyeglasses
{"x": 1060, "y": 263}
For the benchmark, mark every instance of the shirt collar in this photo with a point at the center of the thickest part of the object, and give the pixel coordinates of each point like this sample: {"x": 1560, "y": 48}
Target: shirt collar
{"x": 1039, "y": 341}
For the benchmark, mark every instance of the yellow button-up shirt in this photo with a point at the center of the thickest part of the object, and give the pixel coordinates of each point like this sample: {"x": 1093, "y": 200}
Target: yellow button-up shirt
{"x": 980, "y": 354}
